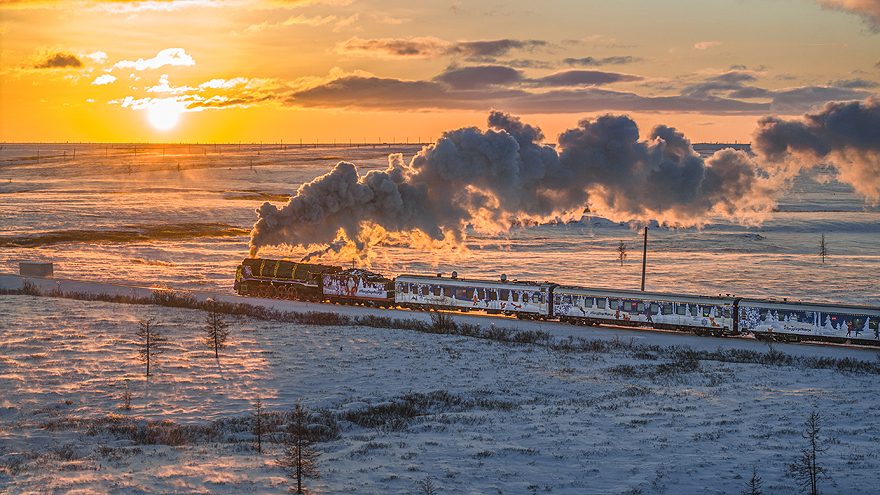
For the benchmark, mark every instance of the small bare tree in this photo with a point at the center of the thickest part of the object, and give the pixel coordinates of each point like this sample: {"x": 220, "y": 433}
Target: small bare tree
{"x": 258, "y": 426}
{"x": 150, "y": 344}
{"x": 427, "y": 486}
{"x": 823, "y": 248}
{"x": 621, "y": 252}
{"x": 126, "y": 398}
{"x": 753, "y": 486}
{"x": 216, "y": 328}
{"x": 300, "y": 453}
{"x": 805, "y": 468}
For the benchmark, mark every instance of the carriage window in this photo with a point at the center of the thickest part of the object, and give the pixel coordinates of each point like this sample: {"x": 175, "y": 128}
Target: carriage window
{"x": 447, "y": 292}
{"x": 873, "y": 325}
{"x": 707, "y": 310}
{"x": 763, "y": 314}
{"x": 727, "y": 312}
{"x": 694, "y": 310}
{"x": 640, "y": 306}
{"x": 481, "y": 294}
{"x": 654, "y": 308}
{"x": 469, "y": 293}
{"x": 667, "y": 309}
{"x": 404, "y": 288}
{"x": 627, "y": 305}
{"x": 493, "y": 296}
{"x": 600, "y": 303}
{"x": 680, "y": 310}
{"x": 504, "y": 295}
{"x": 438, "y": 291}
{"x": 614, "y": 305}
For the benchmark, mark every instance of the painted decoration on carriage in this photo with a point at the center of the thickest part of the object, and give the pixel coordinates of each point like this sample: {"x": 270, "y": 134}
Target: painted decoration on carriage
{"x": 807, "y": 321}
{"x": 353, "y": 287}
{"x": 502, "y": 297}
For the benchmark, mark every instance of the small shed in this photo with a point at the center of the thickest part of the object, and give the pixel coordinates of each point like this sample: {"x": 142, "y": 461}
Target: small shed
{"x": 35, "y": 269}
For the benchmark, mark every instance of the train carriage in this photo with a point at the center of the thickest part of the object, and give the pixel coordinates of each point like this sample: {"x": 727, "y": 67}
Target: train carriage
{"x": 526, "y": 300}
{"x": 356, "y": 286}
{"x": 796, "y": 321}
{"x": 699, "y": 314}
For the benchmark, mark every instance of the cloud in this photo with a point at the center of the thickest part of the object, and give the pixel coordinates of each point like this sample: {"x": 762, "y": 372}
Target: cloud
{"x": 45, "y": 59}
{"x": 480, "y": 77}
{"x": 103, "y": 79}
{"x": 584, "y": 78}
{"x": 869, "y": 10}
{"x": 97, "y": 57}
{"x": 842, "y": 133}
{"x": 706, "y": 44}
{"x": 430, "y": 47}
{"x": 494, "y": 48}
{"x": 595, "y": 62}
{"x": 426, "y": 47}
{"x": 168, "y": 56}
{"x": 857, "y": 83}
{"x": 224, "y": 83}
{"x": 164, "y": 87}
{"x": 597, "y": 41}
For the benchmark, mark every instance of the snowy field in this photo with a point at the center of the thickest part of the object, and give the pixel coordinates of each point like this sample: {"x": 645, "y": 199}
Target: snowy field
{"x": 507, "y": 418}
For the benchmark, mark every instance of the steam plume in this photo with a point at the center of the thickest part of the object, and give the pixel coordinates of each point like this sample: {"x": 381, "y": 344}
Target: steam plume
{"x": 844, "y": 134}
{"x": 487, "y": 179}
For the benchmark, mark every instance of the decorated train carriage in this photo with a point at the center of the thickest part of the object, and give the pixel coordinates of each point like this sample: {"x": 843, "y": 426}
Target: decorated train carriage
{"x": 796, "y": 321}
{"x": 526, "y": 300}
{"x": 281, "y": 279}
{"x": 356, "y": 286}
{"x": 699, "y": 314}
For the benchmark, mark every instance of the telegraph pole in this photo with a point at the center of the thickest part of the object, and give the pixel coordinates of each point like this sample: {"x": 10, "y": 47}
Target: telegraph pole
{"x": 644, "y": 258}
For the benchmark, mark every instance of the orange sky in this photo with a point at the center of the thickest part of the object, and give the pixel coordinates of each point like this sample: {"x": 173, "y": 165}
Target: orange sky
{"x": 259, "y": 70}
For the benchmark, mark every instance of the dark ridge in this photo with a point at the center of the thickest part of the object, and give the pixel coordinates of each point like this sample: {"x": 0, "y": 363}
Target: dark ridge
{"x": 128, "y": 233}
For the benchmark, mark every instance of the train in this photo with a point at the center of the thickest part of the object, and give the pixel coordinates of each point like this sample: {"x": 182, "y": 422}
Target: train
{"x": 720, "y": 316}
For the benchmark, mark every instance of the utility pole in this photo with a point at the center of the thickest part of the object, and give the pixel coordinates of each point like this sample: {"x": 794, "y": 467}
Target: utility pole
{"x": 644, "y": 258}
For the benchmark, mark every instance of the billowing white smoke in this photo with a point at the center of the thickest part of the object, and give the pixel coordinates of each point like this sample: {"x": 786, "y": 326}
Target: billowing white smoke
{"x": 843, "y": 134}
{"x": 487, "y": 179}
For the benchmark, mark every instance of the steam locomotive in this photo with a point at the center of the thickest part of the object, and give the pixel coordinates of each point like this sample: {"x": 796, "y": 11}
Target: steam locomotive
{"x": 769, "y": 320}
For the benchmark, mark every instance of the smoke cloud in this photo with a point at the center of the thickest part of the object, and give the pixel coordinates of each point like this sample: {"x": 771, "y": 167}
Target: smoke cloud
{"x": 489, "y": 179}
{"x": 843, "y": 134}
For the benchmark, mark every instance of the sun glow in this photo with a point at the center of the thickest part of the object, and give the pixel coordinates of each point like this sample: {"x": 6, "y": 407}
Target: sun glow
{"x": 164, "y": 114}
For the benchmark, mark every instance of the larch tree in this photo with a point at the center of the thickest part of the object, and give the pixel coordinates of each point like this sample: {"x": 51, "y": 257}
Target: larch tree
{"x": 823, "y": 248}
{"x": 300, "y": 454}
{"x": 216, "y": 328}
{"x": 258, "y": 425}
{"x": 621, "y": 252}
{"x": 806, "y": 468}
{"x": 150, "y": 342}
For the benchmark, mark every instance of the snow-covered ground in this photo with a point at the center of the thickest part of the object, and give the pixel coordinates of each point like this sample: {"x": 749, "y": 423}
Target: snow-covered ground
{"x": 507, "y": 418}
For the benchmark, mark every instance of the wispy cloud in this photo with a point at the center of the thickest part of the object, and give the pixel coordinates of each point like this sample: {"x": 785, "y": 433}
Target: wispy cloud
{"x": 869, "y": 10}
{"x": 168, "y": 56}
{"x": 103, "y": 79}
{"x": 299, "y": 20}
{"x": 706, "y": 44}
{"x": 430, "y": 47}
{"x": 51, "y": 59}
{"x": 596, "y": 62}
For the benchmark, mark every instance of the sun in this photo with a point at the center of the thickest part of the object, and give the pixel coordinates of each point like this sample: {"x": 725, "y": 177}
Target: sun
{"x": 164, "y": 114}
